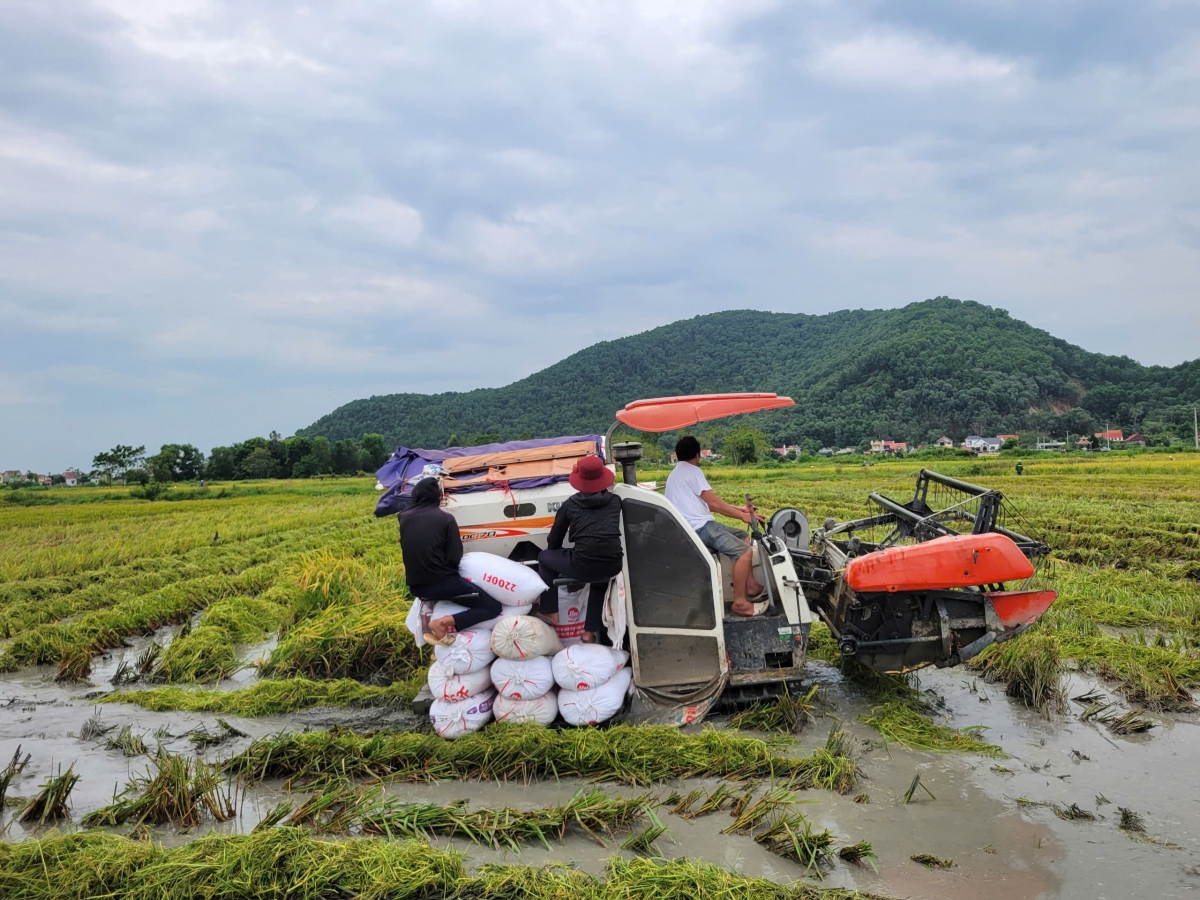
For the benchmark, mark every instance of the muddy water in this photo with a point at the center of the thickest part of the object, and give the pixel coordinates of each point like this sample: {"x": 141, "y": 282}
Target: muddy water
{"x": 1000, "y": 850}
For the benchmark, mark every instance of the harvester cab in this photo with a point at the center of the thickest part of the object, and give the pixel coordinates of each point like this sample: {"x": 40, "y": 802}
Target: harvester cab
{"x": 685, "y": 641}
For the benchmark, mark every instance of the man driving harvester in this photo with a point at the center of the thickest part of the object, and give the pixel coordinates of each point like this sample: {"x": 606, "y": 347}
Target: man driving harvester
{"x": 689, "y": 492}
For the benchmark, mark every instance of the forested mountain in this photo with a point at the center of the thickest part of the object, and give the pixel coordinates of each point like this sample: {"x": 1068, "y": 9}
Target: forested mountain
{"x": 941, "y": 366}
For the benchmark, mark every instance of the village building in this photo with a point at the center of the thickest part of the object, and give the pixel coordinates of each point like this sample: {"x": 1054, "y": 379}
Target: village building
{"x": 944, "y": 441}
{"x": 70, "y": 479}
{"x": 1111, "y": 437}
{"x": 1134, "y": 440}
{"x": 982, "y": 444}
{"x": 888, "y": 447}
{"x": 12, "y": 475}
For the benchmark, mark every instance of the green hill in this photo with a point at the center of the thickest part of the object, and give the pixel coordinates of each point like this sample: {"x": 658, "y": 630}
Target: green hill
{"x": 941, "y": 366}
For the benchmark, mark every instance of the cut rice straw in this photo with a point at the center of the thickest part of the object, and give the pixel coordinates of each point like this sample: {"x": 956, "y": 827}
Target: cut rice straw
{"x": 290, "y": 863}
{"x": 639, "y": 755}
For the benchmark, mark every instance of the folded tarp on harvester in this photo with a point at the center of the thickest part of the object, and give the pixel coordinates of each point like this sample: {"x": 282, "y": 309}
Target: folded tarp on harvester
{"x": 515, "y": 465}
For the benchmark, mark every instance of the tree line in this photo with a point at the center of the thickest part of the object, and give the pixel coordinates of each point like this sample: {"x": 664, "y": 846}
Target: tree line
{"x": 270, "y": 457}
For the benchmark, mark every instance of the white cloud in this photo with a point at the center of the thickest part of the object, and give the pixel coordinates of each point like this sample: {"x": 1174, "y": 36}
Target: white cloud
{"x": 902, "y": 61}
{"x": 307, "y": 204}
{"x": 381, "y": 218}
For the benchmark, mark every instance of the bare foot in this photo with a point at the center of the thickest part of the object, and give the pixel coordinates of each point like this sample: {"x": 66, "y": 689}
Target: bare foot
{"x": 753, "y": 588}
{"x": 441, "y": 627}
{"x": 589, "y": 638}
{"x": 743, "y": 607}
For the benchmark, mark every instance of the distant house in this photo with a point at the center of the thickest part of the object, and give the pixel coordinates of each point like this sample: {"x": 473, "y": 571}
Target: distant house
{"x": 1008, "y": 437}
{"x": 1083, "y": 444}
{"x": 1112, "y": 437}
{"x": 70, "y": 479}
{"x": 982, "y": 444}
{"x": 788, "y": 448}
{"x": 878, "y": 447}
{"x": 826, "y": 451}
{"x": 845, "y": 451}
{"x": 12, "y": 475}
{"x": 1050, "y": 445}
{"x": 45, "y": 480}
{"x": 944, "y": 441}
{"x": 1134, "y": 440}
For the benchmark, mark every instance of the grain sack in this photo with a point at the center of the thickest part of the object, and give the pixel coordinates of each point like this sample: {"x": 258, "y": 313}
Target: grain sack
{"x": 582, "y": 667}
{"x": 506, "y": 580}
{"x": 446, "y": 685}
{"x": 505, "y": 611}
{"x": 572, "y": 613}
{"x": 523, "y": 679}
{"x": 451, "y": 719}
{"x": 543, "y": 710}
{"x": 597, "y": 705}
{"x": 470, "y": 652}
{"x": 524, "y": 637}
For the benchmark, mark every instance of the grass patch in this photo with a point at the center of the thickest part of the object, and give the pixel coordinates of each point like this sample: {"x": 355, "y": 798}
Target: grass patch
{"x": 127, "y": 742}
{"x": 786, "y": 714}
{"x": 363, "y": 641}
{"x": 272, "y": 697}
{"x": 901, "y": 714}
{"x": 631, "y": 755}
{"x": 175, "y": 790}
{"x": 291, "y": 864}
{"x": 247, "y": 619}
{"x": 51, "y": 803}
{"x": 206, "y": 654}
{"x": 591, "y": 811}
{"x": 1031, "y": 666}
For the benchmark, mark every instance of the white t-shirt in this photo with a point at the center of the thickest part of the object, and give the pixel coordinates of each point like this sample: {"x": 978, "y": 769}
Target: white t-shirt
{"x": 684, "y": 486}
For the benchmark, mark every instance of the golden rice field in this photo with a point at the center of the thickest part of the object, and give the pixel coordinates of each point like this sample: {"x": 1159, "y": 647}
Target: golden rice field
{"x": 305, "y": 565}
{"x": 306, "y": 560}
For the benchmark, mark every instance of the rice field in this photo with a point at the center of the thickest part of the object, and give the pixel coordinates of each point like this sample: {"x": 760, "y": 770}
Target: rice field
{"x": 296, "y": 591}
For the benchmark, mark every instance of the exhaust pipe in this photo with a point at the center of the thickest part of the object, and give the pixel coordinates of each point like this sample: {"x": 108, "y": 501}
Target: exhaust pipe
{"x": 627, "y": 453}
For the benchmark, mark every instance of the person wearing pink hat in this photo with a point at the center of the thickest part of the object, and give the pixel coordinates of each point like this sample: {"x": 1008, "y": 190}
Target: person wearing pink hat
{"x": 592, "y": 520}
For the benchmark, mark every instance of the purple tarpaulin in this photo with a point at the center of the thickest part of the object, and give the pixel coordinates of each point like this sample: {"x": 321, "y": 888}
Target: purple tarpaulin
{"x": 406, "y": 463}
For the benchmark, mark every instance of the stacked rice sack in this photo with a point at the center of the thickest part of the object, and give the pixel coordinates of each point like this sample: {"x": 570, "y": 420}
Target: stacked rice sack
{"x": 593, "y": 681}
{"x": 522, "y": 675}
{"x": 460, "y": 677}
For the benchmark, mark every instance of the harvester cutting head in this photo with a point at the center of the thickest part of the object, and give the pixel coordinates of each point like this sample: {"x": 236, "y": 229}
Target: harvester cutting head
{"x": 929, "y": 580}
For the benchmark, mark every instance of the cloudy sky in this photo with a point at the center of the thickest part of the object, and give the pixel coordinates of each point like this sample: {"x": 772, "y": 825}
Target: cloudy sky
{"x": 218, "y": 219}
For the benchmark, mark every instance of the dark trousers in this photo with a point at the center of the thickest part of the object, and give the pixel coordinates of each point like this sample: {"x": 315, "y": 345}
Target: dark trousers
{"x": 480, "y": 608}
{"x": 561, "y": 564}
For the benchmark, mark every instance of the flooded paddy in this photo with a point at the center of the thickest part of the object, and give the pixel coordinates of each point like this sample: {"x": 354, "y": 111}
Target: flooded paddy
{"x": 967, "y": 809}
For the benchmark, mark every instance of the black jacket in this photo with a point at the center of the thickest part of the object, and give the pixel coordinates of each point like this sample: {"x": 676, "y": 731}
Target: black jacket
{"x": 430, "y": 545}
{"x": 593, "y": 522}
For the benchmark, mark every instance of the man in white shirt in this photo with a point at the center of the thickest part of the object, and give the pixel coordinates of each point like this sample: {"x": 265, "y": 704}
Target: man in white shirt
{"x": 689, "y": 492}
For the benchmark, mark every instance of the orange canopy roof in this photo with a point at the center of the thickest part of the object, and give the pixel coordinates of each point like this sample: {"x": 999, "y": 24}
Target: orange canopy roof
{"x": 670, "y": 413}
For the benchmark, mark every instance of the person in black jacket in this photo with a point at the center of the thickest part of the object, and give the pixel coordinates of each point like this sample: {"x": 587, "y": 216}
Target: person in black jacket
{"x": 592, "y": 520}
{"x": 432, "y": 550}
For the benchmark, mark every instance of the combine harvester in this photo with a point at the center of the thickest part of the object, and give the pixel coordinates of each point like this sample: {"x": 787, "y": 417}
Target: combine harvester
{"x": 919, "y": 582}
